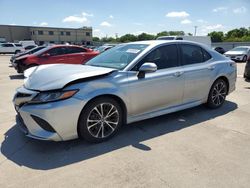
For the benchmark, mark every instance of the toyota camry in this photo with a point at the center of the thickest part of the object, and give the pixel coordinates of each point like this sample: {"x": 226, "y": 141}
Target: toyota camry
{"x": 128, "y": 83}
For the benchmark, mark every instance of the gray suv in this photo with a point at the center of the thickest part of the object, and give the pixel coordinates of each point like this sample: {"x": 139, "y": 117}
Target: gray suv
{"x": 125, "y": 84}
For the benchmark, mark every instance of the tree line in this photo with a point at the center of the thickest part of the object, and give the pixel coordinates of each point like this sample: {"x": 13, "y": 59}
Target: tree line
{"x": 236, "y": 35}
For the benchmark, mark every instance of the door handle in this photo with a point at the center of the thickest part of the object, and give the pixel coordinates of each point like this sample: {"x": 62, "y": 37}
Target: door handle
{"x": 177, "y": 74}
{"x": 211, "y": 67}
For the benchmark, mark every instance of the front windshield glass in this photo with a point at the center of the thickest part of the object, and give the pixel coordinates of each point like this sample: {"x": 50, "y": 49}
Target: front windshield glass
{"x": 36, "y": 49}
{"x": 240, "y": 49}
{"x": 117, "y": 57}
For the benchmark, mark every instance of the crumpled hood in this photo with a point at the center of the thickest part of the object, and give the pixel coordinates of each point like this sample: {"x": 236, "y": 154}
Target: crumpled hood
{"x": 235, "y": 53}
{"x": 56, "y": 76}
{"x": 22, "y": 56}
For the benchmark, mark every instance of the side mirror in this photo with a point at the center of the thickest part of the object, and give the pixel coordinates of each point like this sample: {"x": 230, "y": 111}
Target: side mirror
{"x": 45, "y": 55}
{"x": 146, "y": 68}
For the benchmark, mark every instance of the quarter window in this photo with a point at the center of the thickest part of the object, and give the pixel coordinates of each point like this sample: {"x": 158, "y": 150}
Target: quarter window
{"x": 163, "y": 57}
{"x": 206, "y": 55}
{"x": 191, "y": 54}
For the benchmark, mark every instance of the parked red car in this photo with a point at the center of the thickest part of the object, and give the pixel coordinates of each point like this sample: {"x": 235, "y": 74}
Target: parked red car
{"x": 67, "y": 54}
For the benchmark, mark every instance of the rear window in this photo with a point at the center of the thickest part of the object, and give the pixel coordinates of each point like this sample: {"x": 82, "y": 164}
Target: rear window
{"x": 7, "y": 45}
{"x": 72, "y": 50}
{"x": 18, "y": 45}
{"x": 191, "y": 54}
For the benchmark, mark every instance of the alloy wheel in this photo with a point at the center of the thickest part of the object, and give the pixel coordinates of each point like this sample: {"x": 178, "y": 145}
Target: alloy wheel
{"x": 102, "y": 120}
{"x": 219, "y": 93}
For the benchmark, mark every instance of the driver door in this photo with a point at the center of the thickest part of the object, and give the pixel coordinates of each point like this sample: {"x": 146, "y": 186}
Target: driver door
{"x": 160, "y": 89}
{"x": 56, "y": 56}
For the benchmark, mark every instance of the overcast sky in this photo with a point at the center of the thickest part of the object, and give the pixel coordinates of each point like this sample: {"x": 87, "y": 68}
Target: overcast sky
{"x": 109, "y": 17}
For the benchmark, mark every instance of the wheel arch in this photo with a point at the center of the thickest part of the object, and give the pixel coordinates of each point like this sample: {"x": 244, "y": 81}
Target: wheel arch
{"x": 225, "y": 79}
{"x": 116, "y": 98}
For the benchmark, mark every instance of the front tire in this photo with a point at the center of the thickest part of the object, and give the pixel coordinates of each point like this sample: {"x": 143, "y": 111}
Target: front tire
{"x": 244, "y": 59}
{"x": 217, "y": 94}
{"x": 100, "y": 120}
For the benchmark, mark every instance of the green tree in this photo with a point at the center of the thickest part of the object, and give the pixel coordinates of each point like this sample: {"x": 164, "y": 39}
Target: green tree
{"x": 161, "y": 34}
{"x": 216, "y": 36}
{"x": 173, "y": 33}
{"x": 96, "y": 39}
{"x": 128, "y": 38}
{"x": 145, "y": 36}
{"x": 108, "y": 39}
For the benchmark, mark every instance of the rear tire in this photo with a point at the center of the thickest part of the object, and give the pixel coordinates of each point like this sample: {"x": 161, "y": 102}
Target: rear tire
{"x": 217, "y": 94}
{"x": 100, "y": 120}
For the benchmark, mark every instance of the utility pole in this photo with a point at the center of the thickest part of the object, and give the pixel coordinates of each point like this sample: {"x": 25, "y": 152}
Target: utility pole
{"x": 195, "y": 29}
{"x": 116, "y": 35}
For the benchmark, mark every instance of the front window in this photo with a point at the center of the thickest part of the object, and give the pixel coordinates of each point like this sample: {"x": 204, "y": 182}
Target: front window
{"x": 118, "y": 57}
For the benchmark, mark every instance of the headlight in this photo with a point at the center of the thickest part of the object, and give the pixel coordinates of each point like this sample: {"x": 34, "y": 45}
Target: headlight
{"x": 53, "y": 96}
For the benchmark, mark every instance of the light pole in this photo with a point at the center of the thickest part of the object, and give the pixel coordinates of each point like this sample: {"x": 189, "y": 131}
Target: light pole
{"x": 195, "y": 29}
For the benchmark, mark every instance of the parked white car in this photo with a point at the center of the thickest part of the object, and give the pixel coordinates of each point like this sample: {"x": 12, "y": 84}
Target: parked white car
{"x": 26, "y": 43}
{"x": 240, "y": 53}
{"x": 15, "y": 48}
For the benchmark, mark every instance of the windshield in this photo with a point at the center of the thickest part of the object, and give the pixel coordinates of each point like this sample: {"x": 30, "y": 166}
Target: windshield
{"x": 118, "y": 57}
{"x": 36, "y": 49}
{"x": 240, "y": 49}
{"x": 42, "y": 50}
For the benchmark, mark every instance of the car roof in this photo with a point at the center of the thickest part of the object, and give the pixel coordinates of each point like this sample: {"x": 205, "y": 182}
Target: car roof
{"x": 159, "y": 42}
{"x": 64, "y": 45}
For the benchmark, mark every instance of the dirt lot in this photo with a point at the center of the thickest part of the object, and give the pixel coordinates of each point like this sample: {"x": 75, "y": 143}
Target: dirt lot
{"x": 192, "y": 148}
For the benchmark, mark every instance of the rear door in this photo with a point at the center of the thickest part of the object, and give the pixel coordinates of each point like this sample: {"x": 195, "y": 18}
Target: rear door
{"x": 198, "y": 70}
{"x": 76, "y": 55}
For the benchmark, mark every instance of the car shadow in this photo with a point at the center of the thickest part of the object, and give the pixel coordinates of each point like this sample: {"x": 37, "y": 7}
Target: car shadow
{"x": 16, "y": 77}
{"x": 45, "y": 155}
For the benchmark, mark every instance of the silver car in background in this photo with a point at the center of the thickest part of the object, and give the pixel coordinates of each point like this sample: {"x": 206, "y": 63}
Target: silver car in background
{"x": 240, "y": 53}
{"x": 125, "y": 84}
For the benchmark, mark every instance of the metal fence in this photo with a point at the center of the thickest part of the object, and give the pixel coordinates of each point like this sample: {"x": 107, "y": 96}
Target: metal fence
{"x": 229, "y": 45}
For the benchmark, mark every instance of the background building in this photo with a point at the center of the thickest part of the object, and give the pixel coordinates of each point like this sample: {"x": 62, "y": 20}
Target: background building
{"x": 43, "y": 35}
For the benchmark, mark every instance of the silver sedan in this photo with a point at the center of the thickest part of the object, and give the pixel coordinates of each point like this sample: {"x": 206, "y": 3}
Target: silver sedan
{"x": 125, "y": 84}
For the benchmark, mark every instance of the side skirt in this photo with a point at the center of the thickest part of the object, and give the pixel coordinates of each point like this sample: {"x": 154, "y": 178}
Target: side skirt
{"x": 160, "y": 112}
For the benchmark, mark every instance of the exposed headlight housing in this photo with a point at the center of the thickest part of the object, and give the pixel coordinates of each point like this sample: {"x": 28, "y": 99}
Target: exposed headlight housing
{"x": 53, "y": 96}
